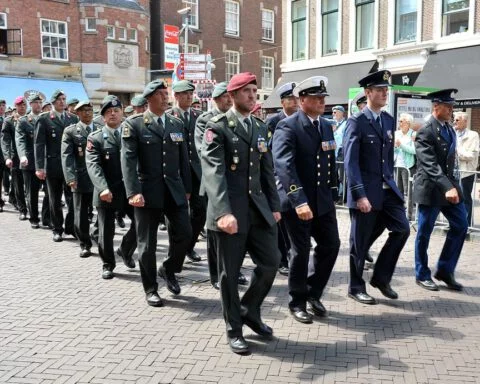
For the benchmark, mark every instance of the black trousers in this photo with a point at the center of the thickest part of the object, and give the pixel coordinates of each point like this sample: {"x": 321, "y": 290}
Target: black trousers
{"x": 179, "y": 236}
{"x": 198, "y": 212}
{"x": 81, "y": 204}
{"x": 260, "y": 241}
{"x": 45, "y": 205}
{"x": 309, "y": 274}
{"x": 283, "y": 243}
{"x": 32, "y": 188}
{"x": 2, "y": 171}
{"x": 106, "y": 233}
{"x": 56, "y": 186}
{"x": 365, "y": 227}
{"x": 19, "y": 190}
{"x": 212, "y": 257}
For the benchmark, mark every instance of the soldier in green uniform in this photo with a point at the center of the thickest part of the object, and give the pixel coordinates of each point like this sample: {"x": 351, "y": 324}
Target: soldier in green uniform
{"x": 139, "y": 104}
{"x": 243, "y": 207}
{"x": 3, "y": 107}
{"x": 24, "y": 132}
{"x": 72, "y": 105}
{"x": 104, "y": 169}
{"x": 183, "y": 92}
{"x": 128, "y": 111}
{"x": 157, "y": 179}
{"x": 74, "y": 142}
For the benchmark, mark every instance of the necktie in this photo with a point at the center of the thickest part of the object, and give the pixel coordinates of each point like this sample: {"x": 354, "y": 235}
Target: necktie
{"x": 315, "y": 124}
{"x": 88, "y": 130}
{"x": 160, "y": 123}
{"x": 62, "y": 118}
{"x": 248, "y": 126}
{"x": 378, "y": 121}
{"x": 185, "y": 117}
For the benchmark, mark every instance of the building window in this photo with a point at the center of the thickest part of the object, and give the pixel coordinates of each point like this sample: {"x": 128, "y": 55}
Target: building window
{"x": 193, "y": 16}
{"x": 267, "y": 72}
{"x": 147, "y": 44}
{"x": 232, "y": 18}
{"x": 193, "y": 48}
{"x": 299, "y": 29}
{"x": 122, "y": 33}
{"x": 268, "y": 21}
{"x": 110, "y": 32}
{"x": 455, "y": 16}
{"x": 10, "y": 39}
{"x": 365, "y": 18}
{"x": 232, "y": 64}
{"x": 132, "y": 34}
{"x": 405, "y": 21}
{"x": 90, "y": 24}
{"x": 329, "y": 27}
{"x": 54, "y": 36}
{"x": 3, "y": 20}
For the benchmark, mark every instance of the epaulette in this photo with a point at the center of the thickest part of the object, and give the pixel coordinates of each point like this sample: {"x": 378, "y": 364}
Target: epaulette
{"x": 97, "y": 132}
{"x": 258, "y": 118}
{"x": 134, "y": 116}
{"x": 175, "y": 118}
{"x": 24, "y": 117}
{"x": 44, "y": 114}
{"x": 219, "y": 117}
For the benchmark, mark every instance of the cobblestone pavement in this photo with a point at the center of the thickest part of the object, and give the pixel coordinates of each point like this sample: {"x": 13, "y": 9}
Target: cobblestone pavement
{"x": 61, "y": 323}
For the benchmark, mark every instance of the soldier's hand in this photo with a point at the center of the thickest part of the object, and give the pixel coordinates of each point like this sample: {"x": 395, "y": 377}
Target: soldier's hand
{"x": 304, "y": 212}
{"x": 24, "y": 161}
{"x": 9, "y": 163}
{"x": 73, "y": 185}
{"x": 452, "y": 196}
{"x": 364, "y": 205}
{"x": 106, "y": 195}
{"x": 41, "y": 174}
{"x": 277, "y": 216}
{"x": 137, "y": 200}
{"x": 228, "y": 223}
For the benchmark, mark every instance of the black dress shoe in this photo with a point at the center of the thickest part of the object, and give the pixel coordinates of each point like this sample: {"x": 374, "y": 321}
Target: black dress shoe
{"x": 57, "y": 237}
{"x": 386, "y": 289}
{"x": 317, "y": 307}
{"x": 449, "y": 279}
{"x": 427, "y": 284}
{"x": 216, "y": 285}
{"x": 170, "y": 279}
{"x": 35, "y": 225}
{"x": 283, "y": 271}
{"x": 301, "y": 316}
{"x": 163, "y": 227}
{"x": 368, "y": 258}
{"x": 107, "y": 273}
{"x": 242, "y": 279}
{"x": 85, "y": 252}
{"x": 120, "y": 222}
{"x": 128, "y": 261}
{"x": 238, "y": 344}
{"x": 363, "y": 297}
{"x": 259, "y": 328}
{"x": 154, "y": 300}
{"x": 193, "y": 256}
{"x": 22, "y": 217}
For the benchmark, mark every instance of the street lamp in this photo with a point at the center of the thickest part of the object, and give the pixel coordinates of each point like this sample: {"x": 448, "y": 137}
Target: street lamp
{"x": 185, "y": 12}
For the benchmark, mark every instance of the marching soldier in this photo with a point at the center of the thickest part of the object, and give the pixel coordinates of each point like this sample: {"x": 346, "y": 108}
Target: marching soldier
{"x": 157, "y": 179}
{"x": 139, "y": 104}
{"x": 3, "y": 106}
{"x": 243, "y": 207}
{"x": 74, "y": 142}
{"x": 72, "y": 104}
{"x": 304, "y": 146}
{"x": 49, "y": 129}
{"x": 183, "y": 92}
{"x": 24, "y": 135}
{"x": 104, "y": 168}
{"x": 373, "y": 197}
{"x": 10, "y": 155}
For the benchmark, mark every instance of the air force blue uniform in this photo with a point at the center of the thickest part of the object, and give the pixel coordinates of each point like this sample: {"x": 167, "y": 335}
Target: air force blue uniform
{"x": 368, "y": 148}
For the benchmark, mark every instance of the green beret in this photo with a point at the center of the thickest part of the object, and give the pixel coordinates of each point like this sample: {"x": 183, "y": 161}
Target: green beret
{"x": 73, "y": 101}
{"x": 139, "y": 101}
{"x": 219, "y": 89}
{"x": 56, "y": 94}
{"x": 128, "y": 109}
{"x": 108, "y": 98}
{"x": 3, "y": 101}
{"x": 183, "y": 86}
{"x": 46, "y": 103}
{"x": 83, "y": 103}
{"x": 112, "y": 102}
{"x": 33, "y": 97}
{"x": 195, "y": 100}
{"x": 153, "y": 86}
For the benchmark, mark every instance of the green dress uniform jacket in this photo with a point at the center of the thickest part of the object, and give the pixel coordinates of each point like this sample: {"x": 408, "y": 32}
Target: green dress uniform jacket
{"x": 153, "y": 160}
{"x": 24, "y": 135}
{"x": 9, "y": 148}
{"x": 238, "y": 168}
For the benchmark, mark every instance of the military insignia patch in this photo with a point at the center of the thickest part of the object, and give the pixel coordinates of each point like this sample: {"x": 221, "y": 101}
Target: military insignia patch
{"x": 386, "y": 76}
{"x": 262, "y": 145}
{"x": 89, "y": 145}
{"x": 125, "y": 131}
{"x": 209, "y": 136}
{"x": 176, "y": 137}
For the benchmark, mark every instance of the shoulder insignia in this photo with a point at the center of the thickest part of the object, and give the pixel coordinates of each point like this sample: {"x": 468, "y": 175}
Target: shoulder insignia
{"x": 125, "y": 131}
{"x": 174, "y": 118}
{"x": 209, "y": 135}
{"x": 89, "y": 145}
{"x": 218, "y": 118}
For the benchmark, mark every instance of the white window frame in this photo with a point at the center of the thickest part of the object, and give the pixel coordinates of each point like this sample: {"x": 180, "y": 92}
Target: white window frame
{"x": 237, "y": 21}
{"x": 193, "y": 16}
{"x": 129, "y": 30}
{"x": 320, "y": 14}
{"x": 113, "y": 30}
{"x": 54, "y": 35}
{"x": 264, "y": 38}
{"x": 3, "y": 16}
{"x": 230, "y": 55}
{"x": 443, "y": 14}
{"x": 395, "y": 24}
{"x": 353, "y": 31}
{"x": 122, "y": 33}
{"x": 265, "y": 69}
{"x": 87, "y": 27}
{"x": 193, "y": 48}
{"x": 392, "y": 27}
{"x": 290, "y": 32}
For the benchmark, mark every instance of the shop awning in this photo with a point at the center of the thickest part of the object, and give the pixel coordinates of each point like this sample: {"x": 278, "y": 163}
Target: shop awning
{"x": 11, "y": 87}
{"x": 340, "y": 79}
{"x": 453, "y": 68}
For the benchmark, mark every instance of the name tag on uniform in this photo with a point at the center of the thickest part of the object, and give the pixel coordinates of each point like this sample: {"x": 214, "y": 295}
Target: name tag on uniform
{"x": 330, "y": 145}
{"x": 262, "y": 145}
{"x": 176, "y": 137}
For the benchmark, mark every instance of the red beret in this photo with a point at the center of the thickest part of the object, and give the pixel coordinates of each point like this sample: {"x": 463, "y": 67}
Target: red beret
{"x": 240, "y": 80}
{"x": 19, "y": 100}
{"x": 256, "y": 107}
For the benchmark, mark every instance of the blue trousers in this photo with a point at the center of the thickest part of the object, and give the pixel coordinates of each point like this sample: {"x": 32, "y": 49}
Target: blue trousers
{"x": 457, "y": 220}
